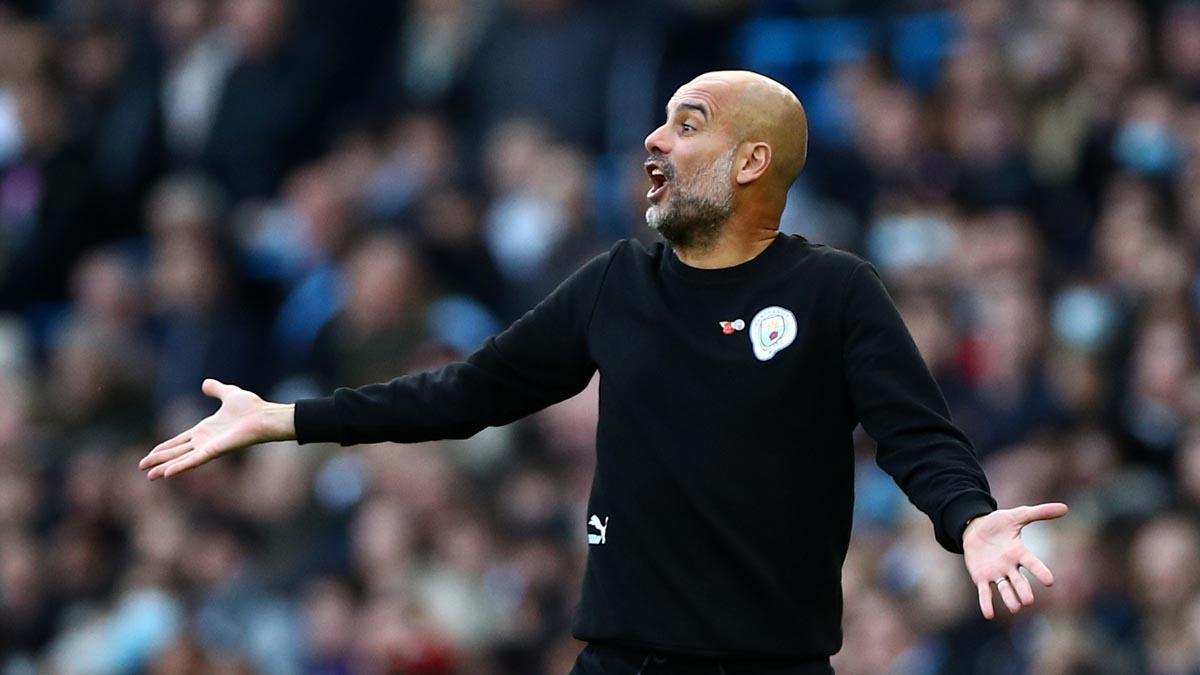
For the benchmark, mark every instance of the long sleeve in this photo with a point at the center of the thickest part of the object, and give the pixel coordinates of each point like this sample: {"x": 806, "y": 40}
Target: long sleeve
{"x": 542, "y": 358}
{"x": 900, "y": 406}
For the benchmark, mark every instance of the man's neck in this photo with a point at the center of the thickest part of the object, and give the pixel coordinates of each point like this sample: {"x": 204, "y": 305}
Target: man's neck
{"x": 734, "y": 246}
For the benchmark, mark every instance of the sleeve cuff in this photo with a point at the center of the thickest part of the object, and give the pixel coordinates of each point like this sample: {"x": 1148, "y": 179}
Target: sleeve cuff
{"x": 316, "y": 421}
{"x": 958, "y": 511}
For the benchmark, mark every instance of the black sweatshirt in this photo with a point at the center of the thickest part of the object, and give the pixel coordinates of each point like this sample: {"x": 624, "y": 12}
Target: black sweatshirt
{"x": 720, "y": 510}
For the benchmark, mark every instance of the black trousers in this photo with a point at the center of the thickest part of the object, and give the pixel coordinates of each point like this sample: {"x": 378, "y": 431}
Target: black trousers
{"x": 598, "y": 659}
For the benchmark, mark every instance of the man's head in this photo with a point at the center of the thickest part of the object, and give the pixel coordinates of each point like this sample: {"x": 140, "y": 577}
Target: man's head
{"x": 733, "y": 140}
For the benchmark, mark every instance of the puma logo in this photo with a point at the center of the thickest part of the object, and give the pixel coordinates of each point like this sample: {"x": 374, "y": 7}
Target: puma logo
{"x": 602, "y": 526}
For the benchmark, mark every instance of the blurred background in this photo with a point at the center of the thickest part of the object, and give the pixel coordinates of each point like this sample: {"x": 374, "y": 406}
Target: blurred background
{"x": 292, "y": 195}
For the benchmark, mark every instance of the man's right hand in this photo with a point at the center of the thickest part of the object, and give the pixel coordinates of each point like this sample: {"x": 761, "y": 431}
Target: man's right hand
{"x": 244, "y": 419}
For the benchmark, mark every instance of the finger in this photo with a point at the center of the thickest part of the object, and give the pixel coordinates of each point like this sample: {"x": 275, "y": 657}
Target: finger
{"x": 985, "y": 600}
{"x": 1038, "y": 568}
{"x": 1050, "y": 511}
{"x": 158, "y": 469}
{"x": 163, "y": 456}
{"x": 189, "y": 461}
{"x": 182, "y": 437}
{"x": 1007, "y": 595}
{"x": 1021, "y": 585}
{"x": 215, "y": 388}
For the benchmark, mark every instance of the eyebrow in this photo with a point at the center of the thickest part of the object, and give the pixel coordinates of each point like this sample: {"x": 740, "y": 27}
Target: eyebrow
{"x": 693, "y": 106}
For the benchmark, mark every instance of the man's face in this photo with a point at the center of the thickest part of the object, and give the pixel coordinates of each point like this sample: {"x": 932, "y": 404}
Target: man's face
{"x": 690, "y": 169}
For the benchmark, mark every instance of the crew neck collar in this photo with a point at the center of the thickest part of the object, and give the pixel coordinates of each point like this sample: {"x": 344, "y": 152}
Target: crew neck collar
{"x": 719, "y": 275}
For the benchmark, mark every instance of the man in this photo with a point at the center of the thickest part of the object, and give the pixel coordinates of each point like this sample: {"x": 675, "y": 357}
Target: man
{"x": 735, "y": 362}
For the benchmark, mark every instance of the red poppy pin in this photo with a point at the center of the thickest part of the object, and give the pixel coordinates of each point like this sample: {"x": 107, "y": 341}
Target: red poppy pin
{"x": 728, "y": 327}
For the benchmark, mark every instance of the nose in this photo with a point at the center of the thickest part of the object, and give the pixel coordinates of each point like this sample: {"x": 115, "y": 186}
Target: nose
{"x": 656, "y": 142}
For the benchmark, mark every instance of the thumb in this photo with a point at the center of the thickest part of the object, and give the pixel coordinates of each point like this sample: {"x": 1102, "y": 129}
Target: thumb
{"x": 1048, "y": 511}
{"x": 214, "y": 388}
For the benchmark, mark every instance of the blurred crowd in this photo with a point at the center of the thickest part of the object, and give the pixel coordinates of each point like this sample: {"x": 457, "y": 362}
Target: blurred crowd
{"x": 293, "y": 195}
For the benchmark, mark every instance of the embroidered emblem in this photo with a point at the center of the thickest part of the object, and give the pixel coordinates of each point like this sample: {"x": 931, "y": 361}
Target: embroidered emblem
{"x": 728, "y": 327}
{"x": 771, "y": 330}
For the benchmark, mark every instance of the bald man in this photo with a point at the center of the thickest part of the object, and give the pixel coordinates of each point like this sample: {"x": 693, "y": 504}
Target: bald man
{"x": 735, "y": 362}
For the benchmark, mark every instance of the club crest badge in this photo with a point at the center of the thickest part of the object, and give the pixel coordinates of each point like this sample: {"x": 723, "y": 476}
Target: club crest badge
{"x": 771, "y": 330}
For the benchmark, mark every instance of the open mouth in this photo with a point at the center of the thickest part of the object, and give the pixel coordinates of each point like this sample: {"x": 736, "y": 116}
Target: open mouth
{"x": 658, "y": 181}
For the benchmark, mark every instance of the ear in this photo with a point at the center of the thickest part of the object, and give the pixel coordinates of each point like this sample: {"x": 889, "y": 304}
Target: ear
{"x": 753, "y": 160}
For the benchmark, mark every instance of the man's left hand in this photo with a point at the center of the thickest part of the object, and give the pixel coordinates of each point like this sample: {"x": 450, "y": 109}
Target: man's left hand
{"x": 994, "y": 554}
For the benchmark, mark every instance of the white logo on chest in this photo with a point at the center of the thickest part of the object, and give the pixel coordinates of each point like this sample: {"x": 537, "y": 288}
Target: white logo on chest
{"x": 771, "y": 330}
{"x": 602, "y": 527}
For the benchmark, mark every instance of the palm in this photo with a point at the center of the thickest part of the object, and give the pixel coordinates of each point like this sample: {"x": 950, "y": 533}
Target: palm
{"x": 236, "y": 424}
{"x": 222, "y": 430}
{"x": 994, "y": 553}
{"x": 1000, "y": 546}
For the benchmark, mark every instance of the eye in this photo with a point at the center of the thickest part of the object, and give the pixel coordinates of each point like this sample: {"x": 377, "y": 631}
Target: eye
{"x": 687, "y": 127}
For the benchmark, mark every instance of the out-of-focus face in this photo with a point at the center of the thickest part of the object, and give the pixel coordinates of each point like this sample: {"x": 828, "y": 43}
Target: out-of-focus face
{"x": 690, "y": 165}
{"x": 889, "y": 131}
{"x": 258, "y": 24}
{"x": 20, "y": 576}
{"x": 328, "y": 618}
{"x": 185, "y": 277}
{"x": 382, "y": 539}
{"x": 1187, "y": 462}
{"x": 14, "y": 409}
{"x": 383, "y": 285}
{"x": 40, "y": 115}
{"x": 1163, "y": 563}
{"x": 181, "y": 23}
{"x": 274, "y": 483}
{"x": 1161, "y": 359}
{"x": 105, "y": 285}
{"x": 325, "y": 203}
{"x": 1181, "y": 40}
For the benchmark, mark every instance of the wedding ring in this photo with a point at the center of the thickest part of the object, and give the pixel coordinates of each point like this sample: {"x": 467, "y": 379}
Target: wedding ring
{"x": 997, "y": 582}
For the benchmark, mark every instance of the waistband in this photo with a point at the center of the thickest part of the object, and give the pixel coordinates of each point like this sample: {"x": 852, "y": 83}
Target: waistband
{"x": 645, "y": 661}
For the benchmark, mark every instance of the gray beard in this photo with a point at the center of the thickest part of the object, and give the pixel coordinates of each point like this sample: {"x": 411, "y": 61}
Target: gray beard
{"x": 693, "y": 223}
{"x": 697, "y": 213}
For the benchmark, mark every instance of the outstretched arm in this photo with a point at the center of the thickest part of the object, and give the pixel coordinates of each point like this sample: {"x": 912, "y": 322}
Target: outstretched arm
{"x": 902, "y": 408}
{"x": 541, "y": 359}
